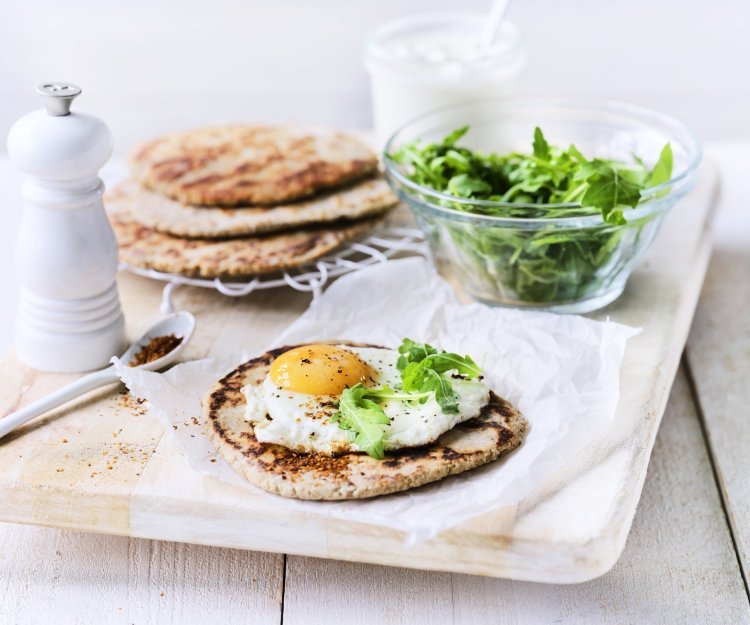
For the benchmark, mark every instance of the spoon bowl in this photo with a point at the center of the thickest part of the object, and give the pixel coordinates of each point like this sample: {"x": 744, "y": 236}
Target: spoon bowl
{"x": 179, "y": 324}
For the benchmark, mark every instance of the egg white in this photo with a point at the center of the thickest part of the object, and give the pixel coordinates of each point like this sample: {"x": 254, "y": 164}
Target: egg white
{"x": 303, "y": 422}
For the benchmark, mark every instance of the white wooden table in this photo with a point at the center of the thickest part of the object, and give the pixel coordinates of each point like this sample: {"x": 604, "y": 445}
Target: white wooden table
{"x": 685, "y": 560}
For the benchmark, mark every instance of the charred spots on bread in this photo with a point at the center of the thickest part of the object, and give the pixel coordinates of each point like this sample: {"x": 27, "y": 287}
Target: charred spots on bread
{"x": 225, "y": 396}
{"x": 217, "y": 400}
{"x": 173, "y": 168}
{"x": 222, "y": 433}
{"x": 496, "y": 415}
{"x": 251, "y": 167}
{"x": 397, "y": 457}
{"x": 450, "y": 455}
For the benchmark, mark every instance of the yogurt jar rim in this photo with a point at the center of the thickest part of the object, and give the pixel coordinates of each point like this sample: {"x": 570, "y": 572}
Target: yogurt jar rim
{"x": 505, "y": 60}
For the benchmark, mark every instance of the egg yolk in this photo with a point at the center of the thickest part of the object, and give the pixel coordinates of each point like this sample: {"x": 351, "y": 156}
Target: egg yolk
{"x": 319, "y": 370}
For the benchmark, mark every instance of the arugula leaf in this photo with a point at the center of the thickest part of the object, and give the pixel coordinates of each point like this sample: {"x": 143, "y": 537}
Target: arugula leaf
{"x": 445, "y": 396}
{"x": 422, "y": 366}
{"x": 463, "y": 185}
{"x": 365, "y": 418}
{"x": 419, "y": 379}
{"x": 575, "y": 153}
{"x": 662, "y": 171}
{"x": 454, "y": 159}
{"x": 455, "y": 135}
{"x": 360, "y": 413}
{"x": 464, "y": 365}
{"x": 540, "y": 145}
{"x": 412, "y": 378}
{"x": 411, "y": 351}
{"x": 433, "y": 358}
{"x": 607, "y": 189}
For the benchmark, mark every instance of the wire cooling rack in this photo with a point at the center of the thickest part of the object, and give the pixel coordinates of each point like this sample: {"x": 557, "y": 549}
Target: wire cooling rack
{"x": 378, "y": 247}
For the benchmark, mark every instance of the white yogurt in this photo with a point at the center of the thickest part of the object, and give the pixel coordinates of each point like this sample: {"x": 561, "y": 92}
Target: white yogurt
{"x": 424, "y": 62}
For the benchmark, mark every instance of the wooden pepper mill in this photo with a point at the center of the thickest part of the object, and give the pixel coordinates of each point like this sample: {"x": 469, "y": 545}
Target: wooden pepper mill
{"x": 69, "y": 317}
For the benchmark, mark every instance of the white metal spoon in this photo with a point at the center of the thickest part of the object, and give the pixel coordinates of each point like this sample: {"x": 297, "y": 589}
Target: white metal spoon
{"x": 181, "y": 325}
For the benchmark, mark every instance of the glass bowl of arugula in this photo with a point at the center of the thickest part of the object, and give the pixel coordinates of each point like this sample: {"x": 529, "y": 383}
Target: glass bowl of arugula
{"x": 540, "y": 203}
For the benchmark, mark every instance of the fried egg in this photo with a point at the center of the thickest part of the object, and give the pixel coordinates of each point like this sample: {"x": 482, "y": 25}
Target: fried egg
{"x": 294, "y": 403}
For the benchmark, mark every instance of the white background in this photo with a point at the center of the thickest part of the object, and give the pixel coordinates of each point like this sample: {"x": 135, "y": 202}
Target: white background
{"x": 151, "y": 66}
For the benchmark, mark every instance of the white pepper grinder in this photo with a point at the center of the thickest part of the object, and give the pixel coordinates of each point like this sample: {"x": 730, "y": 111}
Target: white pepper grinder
{"x": 69, "y": 317}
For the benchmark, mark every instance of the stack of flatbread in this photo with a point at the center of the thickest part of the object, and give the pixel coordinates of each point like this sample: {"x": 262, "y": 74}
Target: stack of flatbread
{"x": 244, "y": 200}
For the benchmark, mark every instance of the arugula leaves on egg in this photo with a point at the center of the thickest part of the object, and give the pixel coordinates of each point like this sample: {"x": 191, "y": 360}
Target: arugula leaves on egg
{"x": 423, "y": 369}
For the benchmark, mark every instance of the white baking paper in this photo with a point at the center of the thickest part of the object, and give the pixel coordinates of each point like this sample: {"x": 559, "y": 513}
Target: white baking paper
{"x": 561, "y": 371}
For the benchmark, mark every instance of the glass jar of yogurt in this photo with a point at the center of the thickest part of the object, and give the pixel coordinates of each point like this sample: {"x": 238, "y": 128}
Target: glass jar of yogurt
{"x": 424, "y": 62}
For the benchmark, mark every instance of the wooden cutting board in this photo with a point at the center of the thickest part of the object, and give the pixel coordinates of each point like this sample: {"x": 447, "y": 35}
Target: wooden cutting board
{"x": 102, "y": 463}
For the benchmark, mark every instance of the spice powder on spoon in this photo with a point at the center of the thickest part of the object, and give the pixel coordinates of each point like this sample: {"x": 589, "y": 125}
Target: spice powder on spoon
{"x": 157, "y": 347}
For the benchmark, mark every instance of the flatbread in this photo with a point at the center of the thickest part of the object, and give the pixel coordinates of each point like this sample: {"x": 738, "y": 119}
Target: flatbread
{"x": 163, "y": 214}
{"x": 143, "y": 247}
{"x": 499, "y": 429}
{"x": 250, "y": 164}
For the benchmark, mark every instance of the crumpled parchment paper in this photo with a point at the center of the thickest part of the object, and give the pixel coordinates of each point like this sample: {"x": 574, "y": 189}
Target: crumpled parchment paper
{"x": 561, "y": 371}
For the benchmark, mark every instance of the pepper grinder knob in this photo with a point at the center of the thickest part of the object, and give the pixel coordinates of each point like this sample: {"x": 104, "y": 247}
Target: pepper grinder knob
{"x": 69, "y": 318}
{"x": 58, "y": 96}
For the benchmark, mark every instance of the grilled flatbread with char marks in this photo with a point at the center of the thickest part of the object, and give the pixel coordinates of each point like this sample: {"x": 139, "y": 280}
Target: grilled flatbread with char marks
{"x": 161, "y": 213}
{"x": 245, "y": 164}
{"x": 231, "y": 258}
{"x": 498, "y": 429}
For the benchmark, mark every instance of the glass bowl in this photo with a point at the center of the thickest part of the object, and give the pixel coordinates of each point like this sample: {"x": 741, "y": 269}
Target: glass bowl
{"x": 555, "y": 257}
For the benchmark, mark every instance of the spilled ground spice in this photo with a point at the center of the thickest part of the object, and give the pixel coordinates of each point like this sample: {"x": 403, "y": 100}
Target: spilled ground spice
{"x": 135, "y": 405}
{"x": 157, "y": 347}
